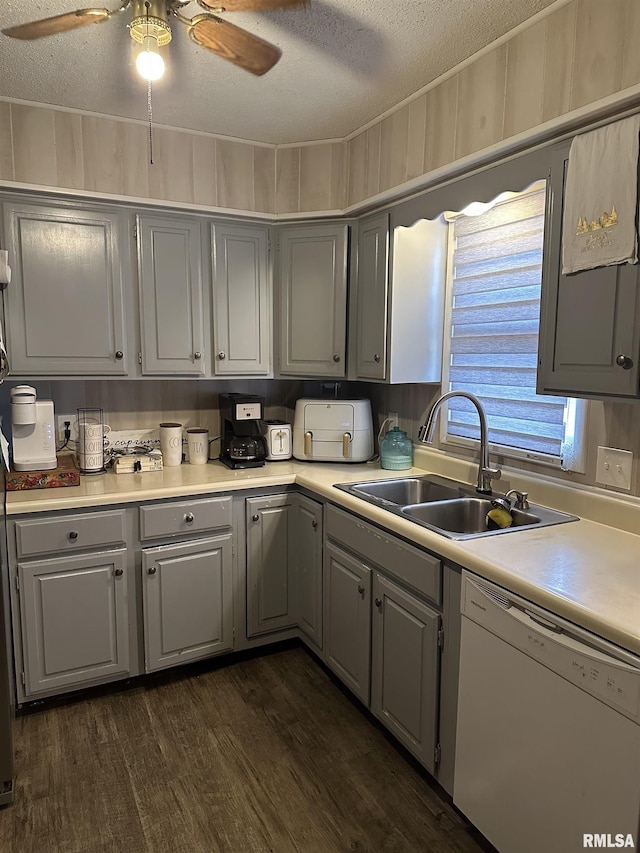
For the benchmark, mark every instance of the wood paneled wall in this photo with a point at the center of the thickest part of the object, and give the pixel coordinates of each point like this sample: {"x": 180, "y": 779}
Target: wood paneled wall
{"x": 582, "y": 52}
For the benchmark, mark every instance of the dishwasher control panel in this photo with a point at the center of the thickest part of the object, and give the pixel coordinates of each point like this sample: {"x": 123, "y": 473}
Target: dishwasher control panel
{"x": 571, "y": 652}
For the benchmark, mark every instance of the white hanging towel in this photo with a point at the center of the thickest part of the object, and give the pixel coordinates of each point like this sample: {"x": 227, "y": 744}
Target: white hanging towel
{"x": 600, "y": 221}
{"x": 5, "y": 269}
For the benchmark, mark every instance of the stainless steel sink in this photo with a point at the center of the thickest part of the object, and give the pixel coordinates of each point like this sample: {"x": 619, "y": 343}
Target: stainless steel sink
{"x": 448, "y": 507}
{"x": 407, "y": 490}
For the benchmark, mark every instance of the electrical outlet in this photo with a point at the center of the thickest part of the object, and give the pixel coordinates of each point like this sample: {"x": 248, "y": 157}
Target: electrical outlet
{"x": 60, "y": 421}
{"x": 393, "y": 418}
{"x": 613, "y": 467}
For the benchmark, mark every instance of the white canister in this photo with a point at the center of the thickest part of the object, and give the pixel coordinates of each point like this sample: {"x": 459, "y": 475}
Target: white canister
{"x": 171, "y": 444}
{"x": 198, "y": 446}
{"x": 90, "y": 441}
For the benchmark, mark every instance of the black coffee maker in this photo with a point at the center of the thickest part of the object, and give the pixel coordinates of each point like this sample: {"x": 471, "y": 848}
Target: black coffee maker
{"x": 242, "y": 444}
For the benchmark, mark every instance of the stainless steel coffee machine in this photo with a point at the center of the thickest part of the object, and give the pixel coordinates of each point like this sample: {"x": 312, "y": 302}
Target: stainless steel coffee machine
{"x": 242, "y": 445}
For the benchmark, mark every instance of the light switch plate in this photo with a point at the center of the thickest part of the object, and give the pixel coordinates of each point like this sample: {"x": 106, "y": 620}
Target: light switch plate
{"x": 614, "y": 467}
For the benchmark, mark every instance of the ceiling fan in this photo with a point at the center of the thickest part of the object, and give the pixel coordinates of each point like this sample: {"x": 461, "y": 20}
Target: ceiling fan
{"x": 150, "y": 28}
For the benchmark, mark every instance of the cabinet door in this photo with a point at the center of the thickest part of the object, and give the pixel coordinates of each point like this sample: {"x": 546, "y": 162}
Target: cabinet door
{"x": 242, "y": 299}
{"x": 373, "y": 276}
{"x": 74, "y": 620}
{"x": 313, "y": 281}
{"x": 307, "y": 529}
{"x": 270, "y": 603}
{"x": 589, "y": 319}
{"x": 171, "y": 299}
{"x": 187, "y": 600}
{"x": 404, "y": 686}
{"x": 347, "y": 620}
{"x": 65, "y": 313}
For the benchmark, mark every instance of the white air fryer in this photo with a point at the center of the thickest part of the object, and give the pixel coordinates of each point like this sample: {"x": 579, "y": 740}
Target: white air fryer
{"x": 332, "y": 430}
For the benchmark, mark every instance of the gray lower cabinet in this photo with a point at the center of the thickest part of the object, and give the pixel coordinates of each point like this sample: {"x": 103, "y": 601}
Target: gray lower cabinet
{"x": 405, "y": 670}
{"x": 187, "y": 601}
{"x": 242, "y": 299}
{"x": 313, "y": 299}
{"x": 65, "y": 307}
{"x": 590, "y": 320}
{"x": 74, "y": 616}
{"x": 347, "y": 619}
{"x": 172, "y": 309}
{"x": 307, "y": 555}
{"x": 270, "y": 562}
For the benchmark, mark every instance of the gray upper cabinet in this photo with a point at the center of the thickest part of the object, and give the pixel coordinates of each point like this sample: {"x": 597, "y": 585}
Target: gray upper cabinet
{"x": 399, "y": 302}
{"x": 172, "y": 309}
{"x": 74, "y": 619}
{"x": 242, "y": 299}
{"x": 371, "y": 306}
{"x": 590, "y": 320}
{"x": 313, "y": 300}
{"x": 64, "y": 307}
{"x": 187, "y": 600}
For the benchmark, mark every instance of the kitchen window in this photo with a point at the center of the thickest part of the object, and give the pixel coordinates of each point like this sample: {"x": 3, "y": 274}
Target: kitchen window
{"x": 494, "y": 276}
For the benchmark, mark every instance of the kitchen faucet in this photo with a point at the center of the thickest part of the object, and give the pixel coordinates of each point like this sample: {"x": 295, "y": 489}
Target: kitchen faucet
{"x": 485, "y": 473}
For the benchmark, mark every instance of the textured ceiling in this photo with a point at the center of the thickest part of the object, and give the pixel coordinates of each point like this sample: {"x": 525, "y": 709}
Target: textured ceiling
{"x": 344, "y": 63}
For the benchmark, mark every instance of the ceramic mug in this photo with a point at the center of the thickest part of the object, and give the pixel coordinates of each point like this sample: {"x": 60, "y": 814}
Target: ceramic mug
{"x": 171, "y": 444}
{"x": 198, "y": 446}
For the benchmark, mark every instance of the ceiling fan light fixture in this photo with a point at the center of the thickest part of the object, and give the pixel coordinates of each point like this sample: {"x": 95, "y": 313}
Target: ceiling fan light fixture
{"x": 149, "y": 63}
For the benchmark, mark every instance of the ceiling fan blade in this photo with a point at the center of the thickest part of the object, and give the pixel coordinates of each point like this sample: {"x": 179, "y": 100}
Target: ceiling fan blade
{"x": 249, "y": 5}
{"x": 237, "y": 45}
{"x": 58, "y": 24}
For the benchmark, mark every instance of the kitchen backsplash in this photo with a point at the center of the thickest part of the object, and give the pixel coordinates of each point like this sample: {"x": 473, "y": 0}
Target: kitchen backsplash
{"x": 144, "y": 404}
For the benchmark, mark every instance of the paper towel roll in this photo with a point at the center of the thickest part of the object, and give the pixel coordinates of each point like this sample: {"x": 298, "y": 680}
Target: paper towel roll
{"x": 5, "y": 269}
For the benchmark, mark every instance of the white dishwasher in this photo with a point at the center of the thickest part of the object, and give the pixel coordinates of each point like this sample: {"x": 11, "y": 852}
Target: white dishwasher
{"x": 548, "y": 730}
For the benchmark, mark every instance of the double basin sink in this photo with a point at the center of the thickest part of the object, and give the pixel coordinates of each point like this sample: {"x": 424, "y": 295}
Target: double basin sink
{"x": 448, "y": 507}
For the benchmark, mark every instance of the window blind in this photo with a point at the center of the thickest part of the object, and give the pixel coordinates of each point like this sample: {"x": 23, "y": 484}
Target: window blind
{"x": 495, "y": 304}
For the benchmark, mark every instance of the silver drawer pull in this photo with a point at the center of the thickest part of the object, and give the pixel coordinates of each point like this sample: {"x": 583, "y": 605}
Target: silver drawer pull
{"x": 73, "y": 534}
{"x": 314, "y": 524}
{"x": 376, "y": 358}
{"x": 189, "y": 517}
{"x": 378, "y": 602}
{"x": 151, "y": 571}
{"x": 119, "y": 572}
{"x": 197, "y": 355}
{"x": 360, "y": 589}
{"x": 255, "y": 517}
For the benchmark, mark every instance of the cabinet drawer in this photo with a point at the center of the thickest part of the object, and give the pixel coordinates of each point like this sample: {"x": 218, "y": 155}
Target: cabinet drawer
{"x": 416, "y": 568}
{"x": 70, "y": 533}
{"x": 168, "y": 519}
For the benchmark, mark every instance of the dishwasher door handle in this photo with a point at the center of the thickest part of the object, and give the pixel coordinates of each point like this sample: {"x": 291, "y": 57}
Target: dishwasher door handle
{"x": 540, "y": 620}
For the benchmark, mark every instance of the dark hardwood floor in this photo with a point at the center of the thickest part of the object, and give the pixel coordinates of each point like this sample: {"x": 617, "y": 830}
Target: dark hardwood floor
{"x": 265, "y": 754}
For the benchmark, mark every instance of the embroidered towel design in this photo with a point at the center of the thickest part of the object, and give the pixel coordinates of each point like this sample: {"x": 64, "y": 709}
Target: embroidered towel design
{"x": 600, "y": 224}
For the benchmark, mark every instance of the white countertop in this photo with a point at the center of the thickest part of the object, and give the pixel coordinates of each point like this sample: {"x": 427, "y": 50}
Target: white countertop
{"x": 584, "y": 571}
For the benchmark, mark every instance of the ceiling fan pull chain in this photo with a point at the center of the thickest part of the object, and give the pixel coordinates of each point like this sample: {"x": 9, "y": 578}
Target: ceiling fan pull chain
{"x": 150, "y": 115}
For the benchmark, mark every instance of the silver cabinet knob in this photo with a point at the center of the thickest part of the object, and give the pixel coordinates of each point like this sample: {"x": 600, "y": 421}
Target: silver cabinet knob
{"x": 73, "y": 534}
{"x": 119, "y": 572}
{"x": 376, "y": 358}
{"x": 624, "y": 362}
{"x": 255, "y": 517}
{"x": 378, "y": 602}
{"x": 151, "y": 571}
{"x": 336, "y": 358}
{"x": 189, "y": 517}
{"x": 119, "y": 354}
{"x": 222, "y": 355}
{"x": 197, "y": 355}
{"x": 314, "y": 524}
{"x": 360, "y": 589}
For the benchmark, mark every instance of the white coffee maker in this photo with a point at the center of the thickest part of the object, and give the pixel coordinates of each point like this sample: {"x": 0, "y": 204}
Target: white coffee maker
{"x": 33, "y": 431}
